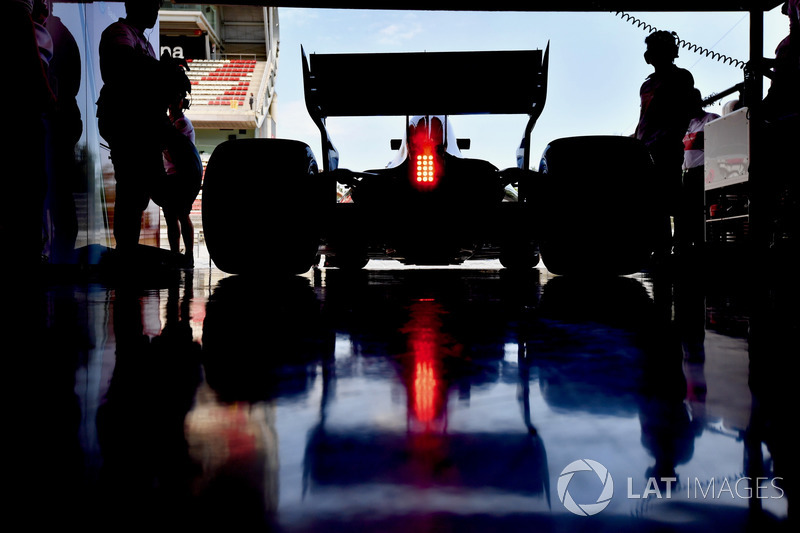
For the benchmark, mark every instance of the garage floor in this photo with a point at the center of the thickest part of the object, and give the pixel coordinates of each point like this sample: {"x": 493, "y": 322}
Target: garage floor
{"x": 399, "y": 399}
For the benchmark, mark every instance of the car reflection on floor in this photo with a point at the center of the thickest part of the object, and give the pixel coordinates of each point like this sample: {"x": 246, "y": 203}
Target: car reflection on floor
{"x": 425, "y": 399}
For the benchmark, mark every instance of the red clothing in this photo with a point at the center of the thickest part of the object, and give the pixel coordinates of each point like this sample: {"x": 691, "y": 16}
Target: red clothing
{"x": 694, "y": 141}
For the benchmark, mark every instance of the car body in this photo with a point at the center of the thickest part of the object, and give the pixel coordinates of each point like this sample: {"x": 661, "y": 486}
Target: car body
{"x": 431, "y": 205}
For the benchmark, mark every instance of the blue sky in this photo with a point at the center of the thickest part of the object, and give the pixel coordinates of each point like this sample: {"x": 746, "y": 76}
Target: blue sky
{"x": 596, "y": 68}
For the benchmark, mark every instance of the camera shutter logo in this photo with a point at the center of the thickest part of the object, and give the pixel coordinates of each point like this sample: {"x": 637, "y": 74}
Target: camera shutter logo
{"x": 587, "y": 509}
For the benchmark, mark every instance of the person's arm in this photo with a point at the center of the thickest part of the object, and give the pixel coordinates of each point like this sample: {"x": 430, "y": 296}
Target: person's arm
{"x": 763, "y": 66}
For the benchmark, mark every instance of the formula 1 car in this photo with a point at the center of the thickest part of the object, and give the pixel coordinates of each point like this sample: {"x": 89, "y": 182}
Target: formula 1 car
{"x": 431, "y": 205}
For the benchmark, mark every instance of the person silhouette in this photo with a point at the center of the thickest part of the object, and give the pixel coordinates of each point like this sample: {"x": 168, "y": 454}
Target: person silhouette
{"x": 666, "y": 104}
{"x": 64, "y": 130}
{"x": 782, "y": 102}
{"x": 184, "y": 170}
{"x": 780, "y": 120}
{"x": 692, "y": 219}
{"x": 24, "y": 187}
{"x": 131, "y": 114}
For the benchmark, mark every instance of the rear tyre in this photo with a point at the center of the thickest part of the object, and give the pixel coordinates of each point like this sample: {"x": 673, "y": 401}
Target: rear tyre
{"x": 262, "y": 206}
{"x": 596, "y": 216}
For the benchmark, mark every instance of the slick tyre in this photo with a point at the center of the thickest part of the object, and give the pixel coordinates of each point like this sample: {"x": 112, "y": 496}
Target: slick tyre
{"x": 262, "y": 200}
{"x": 595, "y": 206}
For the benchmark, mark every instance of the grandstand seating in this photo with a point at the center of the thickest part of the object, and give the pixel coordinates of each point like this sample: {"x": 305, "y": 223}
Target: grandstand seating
{"x": 223, "y": 82}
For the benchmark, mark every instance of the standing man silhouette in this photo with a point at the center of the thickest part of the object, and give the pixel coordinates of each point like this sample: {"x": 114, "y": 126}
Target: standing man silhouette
{"x": 692, "y": 219}
{"x": 131, "y": 115}
{"x": 782, "y": 102}
{"x": 666, "y": 105}
{"x": 24, "y": 181}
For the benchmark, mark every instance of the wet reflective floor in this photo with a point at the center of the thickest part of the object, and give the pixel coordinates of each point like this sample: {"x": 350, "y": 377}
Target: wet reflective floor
{"x": 463, "y": 399}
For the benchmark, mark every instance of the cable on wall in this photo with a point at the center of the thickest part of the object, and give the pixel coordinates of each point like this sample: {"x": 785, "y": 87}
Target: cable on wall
{"x": 627, "y": 17}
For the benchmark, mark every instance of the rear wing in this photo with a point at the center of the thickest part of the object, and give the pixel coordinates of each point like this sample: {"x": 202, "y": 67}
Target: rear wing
{"x": 424, "y": 83}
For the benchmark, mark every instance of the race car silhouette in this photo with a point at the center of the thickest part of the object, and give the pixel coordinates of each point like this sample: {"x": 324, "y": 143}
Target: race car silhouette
{"x": 431, "y": 205}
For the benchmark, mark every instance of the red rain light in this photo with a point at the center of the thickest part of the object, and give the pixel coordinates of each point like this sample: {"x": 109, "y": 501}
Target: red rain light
{"x": 425, "y": 168}
{"x": 425, "y": 143}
